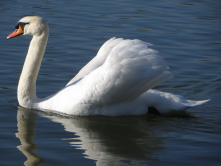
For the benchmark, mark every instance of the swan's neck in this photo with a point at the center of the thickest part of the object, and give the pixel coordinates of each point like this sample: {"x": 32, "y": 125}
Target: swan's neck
{"x": 27, "y": 84}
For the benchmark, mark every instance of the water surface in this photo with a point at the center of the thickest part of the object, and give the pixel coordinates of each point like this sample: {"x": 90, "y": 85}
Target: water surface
{"x": 186, "y": 33}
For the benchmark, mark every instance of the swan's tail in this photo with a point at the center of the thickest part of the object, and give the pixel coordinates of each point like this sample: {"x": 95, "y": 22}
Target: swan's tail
{"x": 192, "y": 103}
{"x": 167, "y": 102}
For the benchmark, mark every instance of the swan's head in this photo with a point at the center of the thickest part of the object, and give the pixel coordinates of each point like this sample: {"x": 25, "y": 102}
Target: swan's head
{"x": 30, "y": 25}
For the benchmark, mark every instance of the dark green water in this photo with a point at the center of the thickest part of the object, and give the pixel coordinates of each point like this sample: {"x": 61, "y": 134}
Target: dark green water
{"x": 186, "y": 33}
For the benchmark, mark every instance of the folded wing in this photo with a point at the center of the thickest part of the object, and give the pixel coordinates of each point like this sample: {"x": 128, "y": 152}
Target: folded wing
{"x": 130, "y": 69}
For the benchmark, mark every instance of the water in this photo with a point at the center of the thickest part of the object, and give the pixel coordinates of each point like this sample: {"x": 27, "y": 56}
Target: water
{"x": 186, "y": 33}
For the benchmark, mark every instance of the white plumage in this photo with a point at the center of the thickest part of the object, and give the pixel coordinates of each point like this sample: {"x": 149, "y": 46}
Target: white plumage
{"x": 117, "y": 81}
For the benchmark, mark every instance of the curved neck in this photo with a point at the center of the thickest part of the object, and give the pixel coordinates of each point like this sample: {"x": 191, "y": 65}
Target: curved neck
{"x": 26, "y": 92}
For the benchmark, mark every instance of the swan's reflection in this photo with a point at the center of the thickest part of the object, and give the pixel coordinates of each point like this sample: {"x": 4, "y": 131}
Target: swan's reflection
{"x": 26, "y": 133}
{"x": 108, "y": 140}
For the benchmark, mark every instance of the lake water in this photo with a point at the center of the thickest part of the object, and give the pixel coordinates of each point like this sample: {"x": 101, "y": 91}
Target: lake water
{"x": 187, "y": 33}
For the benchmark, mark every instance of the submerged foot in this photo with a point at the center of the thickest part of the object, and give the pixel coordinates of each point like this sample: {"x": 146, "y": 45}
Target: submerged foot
{"x": 153, "y": 110}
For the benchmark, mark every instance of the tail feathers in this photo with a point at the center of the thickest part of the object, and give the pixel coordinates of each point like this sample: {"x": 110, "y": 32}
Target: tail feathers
{"x": 192, "y": 103}
{"x": 167, "y": 102}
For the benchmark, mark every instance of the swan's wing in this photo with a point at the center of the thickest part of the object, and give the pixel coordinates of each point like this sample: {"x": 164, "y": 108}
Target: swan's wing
{"x": 98, "y": 60}
{"x": 130, "y": 69}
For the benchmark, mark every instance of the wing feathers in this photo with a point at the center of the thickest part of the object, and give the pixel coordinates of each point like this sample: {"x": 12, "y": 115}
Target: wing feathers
{"x": 130, "y": 69}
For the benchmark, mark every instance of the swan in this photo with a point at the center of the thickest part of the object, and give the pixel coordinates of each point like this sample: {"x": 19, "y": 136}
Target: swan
{"x": 117, "y": 81}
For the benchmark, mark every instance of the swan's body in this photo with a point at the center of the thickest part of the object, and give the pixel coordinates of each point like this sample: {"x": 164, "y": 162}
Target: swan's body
{"x": 117, "y": 81}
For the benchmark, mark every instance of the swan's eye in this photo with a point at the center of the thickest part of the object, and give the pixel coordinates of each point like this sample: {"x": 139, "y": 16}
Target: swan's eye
{"x": 22, "y": 24}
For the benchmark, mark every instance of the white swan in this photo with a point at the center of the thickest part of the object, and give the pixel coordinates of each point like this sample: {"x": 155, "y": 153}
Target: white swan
{"x": 117, "y": 81}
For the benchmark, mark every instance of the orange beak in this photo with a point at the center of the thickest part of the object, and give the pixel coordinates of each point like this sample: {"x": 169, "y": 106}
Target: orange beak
{"x": 17, "y": 32}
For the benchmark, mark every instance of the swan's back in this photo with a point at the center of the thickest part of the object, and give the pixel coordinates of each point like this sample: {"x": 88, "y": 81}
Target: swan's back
{"x": 105, "y": 51}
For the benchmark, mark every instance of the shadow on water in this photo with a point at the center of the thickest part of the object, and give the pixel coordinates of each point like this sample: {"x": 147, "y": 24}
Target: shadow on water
{"x": 107, "y": 140}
